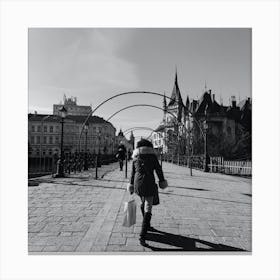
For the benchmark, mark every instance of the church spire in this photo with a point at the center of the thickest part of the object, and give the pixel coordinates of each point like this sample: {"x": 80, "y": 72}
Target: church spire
{"x": 164, "y": 103}
{"x": 205, "y": 86}
{"x": 176, "y": 98}
{"x": 187, "y": 103}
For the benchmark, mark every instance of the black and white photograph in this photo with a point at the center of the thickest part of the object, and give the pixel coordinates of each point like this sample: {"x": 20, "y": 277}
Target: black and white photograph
{"x": 139, "y": 140}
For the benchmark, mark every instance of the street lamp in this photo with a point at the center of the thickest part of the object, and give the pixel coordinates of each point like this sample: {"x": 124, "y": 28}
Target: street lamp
{"x": 60, "y": 167}
{"x": 205, "y": 125}
{"x": 86, "y": 155}
{"x": 98, "y": 156}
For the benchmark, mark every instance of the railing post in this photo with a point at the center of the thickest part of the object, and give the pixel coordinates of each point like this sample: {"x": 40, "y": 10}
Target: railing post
{"x": 126, "y": 166}
{"x": 190, "y": 163}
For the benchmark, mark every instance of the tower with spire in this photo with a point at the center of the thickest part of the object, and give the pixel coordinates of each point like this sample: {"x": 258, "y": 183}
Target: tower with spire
{"x": 132, "y": 139}
{"x": 175, "y": 105}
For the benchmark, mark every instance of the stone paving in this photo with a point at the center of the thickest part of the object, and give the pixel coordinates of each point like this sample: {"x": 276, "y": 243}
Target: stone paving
{"x": 205, "y": 212}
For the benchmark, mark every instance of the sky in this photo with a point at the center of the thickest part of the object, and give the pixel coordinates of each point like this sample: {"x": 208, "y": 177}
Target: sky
{"x": 94, "y": 64}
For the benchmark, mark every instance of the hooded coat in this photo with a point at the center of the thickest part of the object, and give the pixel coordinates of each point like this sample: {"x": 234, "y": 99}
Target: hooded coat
{"x": 142, "y": 177}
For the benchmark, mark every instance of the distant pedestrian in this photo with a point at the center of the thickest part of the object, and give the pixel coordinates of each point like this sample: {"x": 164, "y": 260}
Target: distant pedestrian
{"x": 142, "y": 182}
{"x": 121, "y": 154}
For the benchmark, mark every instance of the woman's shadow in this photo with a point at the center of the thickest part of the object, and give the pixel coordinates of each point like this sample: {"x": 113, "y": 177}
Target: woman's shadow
{"x": 184, "y": 243}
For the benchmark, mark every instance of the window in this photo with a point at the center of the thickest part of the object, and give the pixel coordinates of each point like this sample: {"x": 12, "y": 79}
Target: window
{"x": 56, "y": 140}
{"x": 44, "y": 152}
{"x": 37, "y": 152}
{"x": 45, "y": 128}
{"x": 45, "y": 140}
{"x": 38, "y": 128}
{"x": 50, "y": 140}
{"x": 38, "y": 139}
{"x": 50, "y": 152}
{"x": 51, "y": 129}
{"x": 57, "y": 128}
{"x": 33, "y": 128}
{"x": 32, "y": 139}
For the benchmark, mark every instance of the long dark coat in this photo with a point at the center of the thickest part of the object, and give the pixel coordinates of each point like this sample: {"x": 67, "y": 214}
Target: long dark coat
{"x": 121, "y": 152}
{"x": 142, "y": 176}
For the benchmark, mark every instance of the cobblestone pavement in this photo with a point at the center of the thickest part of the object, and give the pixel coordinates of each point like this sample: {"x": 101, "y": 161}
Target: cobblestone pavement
{"x": 205, "y": 212}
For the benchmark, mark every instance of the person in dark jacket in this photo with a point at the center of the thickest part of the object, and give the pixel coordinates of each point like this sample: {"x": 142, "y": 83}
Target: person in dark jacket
{"x": 142, "y": 181}
{"x": 121, "y": 154}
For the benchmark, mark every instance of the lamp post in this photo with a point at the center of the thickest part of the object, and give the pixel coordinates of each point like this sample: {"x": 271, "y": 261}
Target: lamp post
{"x": 189, "y": 143}
{"x": 205, "y": 124}
{"x": 60, "y": 167}
{"x": 98, "y": 156}
{"x": 86, "y": 155}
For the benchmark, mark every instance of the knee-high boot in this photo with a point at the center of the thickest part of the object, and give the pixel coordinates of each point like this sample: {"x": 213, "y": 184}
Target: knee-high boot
{"x": 143, "y": 214}
{"x": 144, "y": 229}
{"x": 142, "y": 209}
{"x": 142, "y": 206}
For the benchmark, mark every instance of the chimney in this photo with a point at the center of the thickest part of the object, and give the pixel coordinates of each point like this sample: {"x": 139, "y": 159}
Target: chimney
{"x": 35, "y": 112}
{"x": 233, "y": 101}
{"x": 213, "y": 98}
{"x": 210, "y": 91}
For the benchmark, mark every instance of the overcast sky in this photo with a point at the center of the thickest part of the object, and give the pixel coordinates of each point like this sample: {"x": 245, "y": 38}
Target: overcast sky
{"x": 94, "y": 64}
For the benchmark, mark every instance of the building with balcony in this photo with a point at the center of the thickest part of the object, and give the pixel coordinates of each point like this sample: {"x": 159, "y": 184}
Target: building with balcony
{"x": 44, "y": 135}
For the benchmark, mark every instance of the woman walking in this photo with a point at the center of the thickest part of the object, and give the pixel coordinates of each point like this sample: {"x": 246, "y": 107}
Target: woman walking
{"x": 121, "y": 155}
{"x": 142, "y": 182}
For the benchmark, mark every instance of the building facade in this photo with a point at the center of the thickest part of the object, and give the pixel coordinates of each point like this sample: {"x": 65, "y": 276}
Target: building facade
{"x": 73, "y": 109}
{"x": 128, "y": 143}
{"x": 169, "y": 136}
{"x": 185, "y": 128}
{"x": 44, "y": 134}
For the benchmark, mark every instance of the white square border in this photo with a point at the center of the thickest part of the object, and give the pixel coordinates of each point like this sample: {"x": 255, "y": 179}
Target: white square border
{"x": 262, "y": 16}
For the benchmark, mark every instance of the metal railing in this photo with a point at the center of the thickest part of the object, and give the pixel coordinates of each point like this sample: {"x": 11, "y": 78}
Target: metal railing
{"x": 216, "y": 164}
{"x": 47, "y": 165}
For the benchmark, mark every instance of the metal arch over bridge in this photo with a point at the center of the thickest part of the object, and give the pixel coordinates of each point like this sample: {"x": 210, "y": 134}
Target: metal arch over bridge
{"x": 125, "y": 132}
{"x": 113, "y": 97}
{"x": 129, "y": 93}
{"x": 140, "y": 105}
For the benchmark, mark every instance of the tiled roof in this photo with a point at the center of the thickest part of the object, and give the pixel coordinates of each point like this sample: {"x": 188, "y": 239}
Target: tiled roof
{"x": 159, "y": 128}
{"x": 92, "y": 119}
{"x": 54, "y": 118}
{"x": 43, "y": 117}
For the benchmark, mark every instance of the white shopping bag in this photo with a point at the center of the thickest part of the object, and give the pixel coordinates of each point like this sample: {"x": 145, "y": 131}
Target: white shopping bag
{"x": 129, "y": 213}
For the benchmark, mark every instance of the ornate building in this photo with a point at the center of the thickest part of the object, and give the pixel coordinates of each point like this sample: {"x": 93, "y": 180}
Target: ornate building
{"x": 169, "y": 137}
{"x": 226, "y": 128}
{"x": 128, "y": 143}
{"x": 72, "y": 108}
{"x": 185, "y": 127}
{"x": 44, "y": 132}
